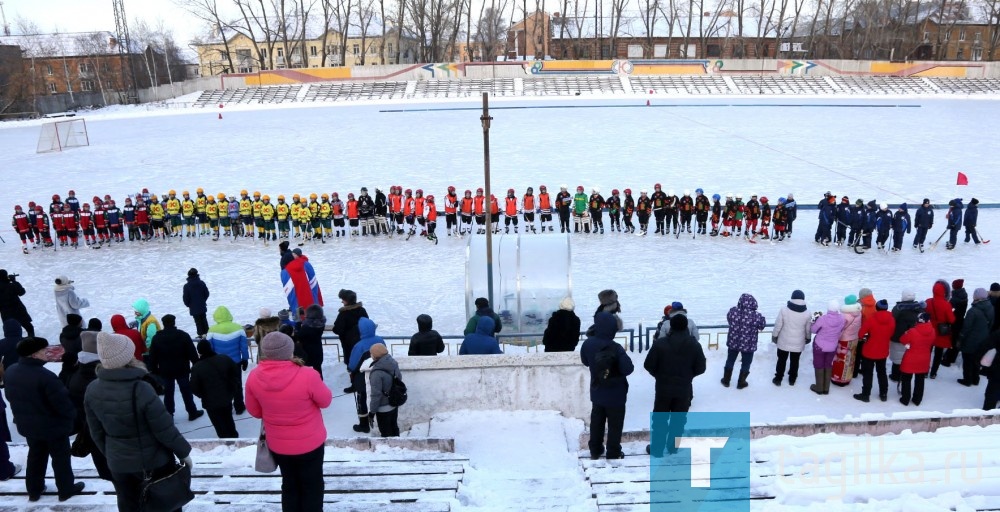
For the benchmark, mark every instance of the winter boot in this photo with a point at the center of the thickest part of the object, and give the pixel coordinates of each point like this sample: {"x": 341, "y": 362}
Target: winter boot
{"x": 819, "y": 386}
{"x": 827, "y": 379}
{"x": 862, "y": 397}
{"x": 362, "y": 426}
{"x": 792, "y": 378}
{"x": 777, "y": 379}
{"x": 727, "y": 376}
{"x": 742, "y": 383}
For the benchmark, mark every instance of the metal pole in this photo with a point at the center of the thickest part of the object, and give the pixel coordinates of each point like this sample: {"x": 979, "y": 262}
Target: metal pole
{"x": 485, "y": 119}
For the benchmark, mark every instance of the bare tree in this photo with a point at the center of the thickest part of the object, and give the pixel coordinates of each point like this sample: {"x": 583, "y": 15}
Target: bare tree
{"x": 649, "y": 15}
{"x": 342, "y": 13}
{"x": 491, "y": 32}
{"x": 365, "y": 18}
{"x": 991, "y": 12}
{"x": 208, "y": 11}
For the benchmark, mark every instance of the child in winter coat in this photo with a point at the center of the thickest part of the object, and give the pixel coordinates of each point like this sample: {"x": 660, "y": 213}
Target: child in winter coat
{"x": 941, "y": 314}
{"x": 827, "y": 328}
{"x": 851, "y": 310}
{"x": 917, "y": 359}
{"x": 791, "y": 334}
{"x": 217, "y": 380}
{"x": 877, "y": 331}
{"x": 744, "y": 324}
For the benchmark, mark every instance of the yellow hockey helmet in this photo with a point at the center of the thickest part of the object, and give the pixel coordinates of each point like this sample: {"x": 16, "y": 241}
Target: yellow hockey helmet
{"x": 221, "y": 196}
{"x": 243, "y": 192}
{"x": 266, "y": 198}
{"x": 200, "y": 190}
{"x": 325, "y": 196}
{"x": 256, "y": 194}
{"x": 173, "y": 192}
{"x": 281, "y": 197}
{"x": 312, "y": 196}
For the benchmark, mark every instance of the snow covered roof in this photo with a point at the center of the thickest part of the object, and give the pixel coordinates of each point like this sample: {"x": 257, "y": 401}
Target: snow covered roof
{"x": 724, "y": 24}
{"x": 66, "y": 44}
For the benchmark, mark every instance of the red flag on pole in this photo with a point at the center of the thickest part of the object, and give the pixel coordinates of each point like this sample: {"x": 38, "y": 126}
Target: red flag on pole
{"x": 962, "y": 179}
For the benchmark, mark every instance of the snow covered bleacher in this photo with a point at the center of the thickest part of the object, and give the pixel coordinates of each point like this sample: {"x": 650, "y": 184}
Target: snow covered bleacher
{"x": 607, "y": 85}
{"x": 370, "y": 474}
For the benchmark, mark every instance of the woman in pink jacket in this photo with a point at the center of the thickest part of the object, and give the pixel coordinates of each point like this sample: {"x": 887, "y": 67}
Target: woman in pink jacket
{"x": 844, "y": 357}
{"x": 827, "y": 329}
{"x": 288, "y": 397}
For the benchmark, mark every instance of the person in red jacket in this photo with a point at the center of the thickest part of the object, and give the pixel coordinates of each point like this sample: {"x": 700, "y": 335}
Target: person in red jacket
{"x": 56, "y": 216}
{"x": 465, "y": 208}
{"x": 877, "y": 329}
{"x": 917, "y": 358}
{"x": 431, "y": 214}
{"x": 119, "y": 326}
{"x": 451, "y": 211}
{"x": 42, "y": 226}
{"x": 87, "y": 224}
{"x": 71, "y": 224}
{"x": 943, "y": 319}
{"x": 23, "y": 228}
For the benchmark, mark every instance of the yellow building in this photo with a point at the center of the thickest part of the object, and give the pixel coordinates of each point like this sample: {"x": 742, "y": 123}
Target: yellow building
{"x": 240, "y": 54}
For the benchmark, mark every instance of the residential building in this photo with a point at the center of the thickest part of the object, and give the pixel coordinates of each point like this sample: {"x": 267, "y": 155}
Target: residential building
{"x": 530, "y": 38}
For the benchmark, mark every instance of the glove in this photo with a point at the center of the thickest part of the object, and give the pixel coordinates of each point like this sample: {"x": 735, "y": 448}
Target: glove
{"x": 188, "y": 462}
{"x": 371, "y": 420}
{"x": 133, "y": 324}
{"x": 774, "y": 339}
{"x": 907, "y": 346}
{"x": 244, "y": 365}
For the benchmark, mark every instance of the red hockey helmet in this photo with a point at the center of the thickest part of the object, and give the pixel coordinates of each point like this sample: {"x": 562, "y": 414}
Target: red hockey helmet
{"x": 542, "y": 188}
{"x": 420, "y": 192}
{"x": 657, "y": 186}
{"x": 628, "y": 191}
{"x": 111, "y": 202}
{"x": 86, "y": 206}
{"x": 145, "y": 191}
{"x": 67, "y": 207}
{"x": 38, "y": 209}
{"x": 510, "y": 191}
{"x": 450, "y": 189}
{"x": 614, "y": 191}
{"x": 579, "y": 188}
{"x": 350, "y": 195}
{"x": 409, "y": 191}
{"x": 107, "y": 197}
{"x": 72, "y": 193}
{"x": 55, "y": 197}
{"x": 31, "y": 205}
{"x": 430, "y": 198}
{"x": 17, "y": 207}
{"x": 763, "y": 199}
{"x": 129, "y": 199}
{"x": 468, "y": 192}
{"x": 97, "y": 199}
{"x": 479, "y": 190}
{"x": 334, "y": 195}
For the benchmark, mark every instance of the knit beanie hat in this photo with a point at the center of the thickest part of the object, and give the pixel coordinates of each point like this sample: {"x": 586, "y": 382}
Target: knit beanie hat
{"x": 73, "y": 319}
{"x": 94, "y": 324}
{"x": 29, "y": 346}
{"x": 193, "y": 272}
{"x": 980, "y": 294}
{"x": 908, "y": 295}
{"x": 114, "y": 350}
{"x": 865, "y": 292}
{"x": 277, "y": 347}
{"x": 958, "y": 284}
{"x": 567, "y": 304}
{"x": 378, "y": 350}
{"x": 882, "y": 305}
{"x": 995, "y": 287}
{"x": 666, "y": 310}
{"x": 264, "y": 313}
{"x": 607, "y": 297}
{"x": 205, "y": 348}
{"x": 678, "y": 323}
{"x": 283, "y": 315}
{"x": 833, "y": 305}
{"x": 850, "y": 300}
{"x": 797, "y": 294}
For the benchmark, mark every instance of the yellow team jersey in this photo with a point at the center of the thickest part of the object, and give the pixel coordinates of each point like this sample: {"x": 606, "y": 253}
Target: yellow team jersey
{"x": 267, "y": 211}
{"x": 246, "y": 206}
{"x": 156, "y": 211}
{"x": 212, "y": 210}
{"x": 201, "y": 204}
{"x": 313, "y": 209}
{"x": 187, "y": 207}
{"x": 294, "y": 209}
{"x": 173, "y": 206}
{"x": 223, "y": 208}
{"x": 256, "y": 208}
{"x": 324, "y": 210}
{"x": 281, "y": 210}
{"x": 304, "y": 214}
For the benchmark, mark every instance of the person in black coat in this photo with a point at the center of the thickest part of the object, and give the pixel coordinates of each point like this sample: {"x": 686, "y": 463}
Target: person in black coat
{"x": 44, "y": 415}
{"x": 960, "y": 304}
{"x": 608, "y": 393}
{"x": 69, "y": 338}
{"x": 217, "y": 380}
{"x": 427, "y": 341}
{"x": 309, "y": 337}
{"x": 900, "y": 225}
{"x": 171, "y": 354}
{"x": 11, "y": 306}
{"x": 86, "y": 372}
{"x": 970, "y": 220}
{"x": 196, "y": 299}
{"x": 674, "y": 361}
{"x": 346, "y": 324}
{"x": 8, "y": 344}
{"x": 286, "y": 255}
{"x": 563, "y": 332}
{"x": 923, "y": 221}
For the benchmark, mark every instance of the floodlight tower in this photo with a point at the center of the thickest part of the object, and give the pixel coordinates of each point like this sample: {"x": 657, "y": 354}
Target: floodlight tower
{"x": 124, "y": 49}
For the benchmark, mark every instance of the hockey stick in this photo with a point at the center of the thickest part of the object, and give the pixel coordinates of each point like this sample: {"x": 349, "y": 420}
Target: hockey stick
{"x": 980, "y": 235}
{"x": 935, "y": 244}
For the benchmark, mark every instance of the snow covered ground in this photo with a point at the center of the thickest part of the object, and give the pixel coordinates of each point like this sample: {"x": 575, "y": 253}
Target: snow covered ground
{"x": 889, "y": 150}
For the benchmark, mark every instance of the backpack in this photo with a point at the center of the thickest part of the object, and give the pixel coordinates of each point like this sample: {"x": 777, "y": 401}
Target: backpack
{"x": 605, "y": 367}
{"x": 397, "y": 392}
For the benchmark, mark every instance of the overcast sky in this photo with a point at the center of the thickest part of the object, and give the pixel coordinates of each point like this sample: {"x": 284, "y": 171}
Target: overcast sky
{"x": 91, "y": 15}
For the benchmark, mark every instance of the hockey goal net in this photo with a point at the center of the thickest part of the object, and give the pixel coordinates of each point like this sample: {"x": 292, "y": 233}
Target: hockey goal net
{"x": 60, "y": 135}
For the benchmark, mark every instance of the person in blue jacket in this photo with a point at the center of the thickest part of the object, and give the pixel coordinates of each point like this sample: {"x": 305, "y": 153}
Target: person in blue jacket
{"x": 843, "y": 219}
{"x": 954, "y": 217}
{"x": 827, "y": 217}
{"x": 871, "y": 214}
{"x": 481, "y": 341}
{"x": 857, "y": 214}
{"x": 608, "y": 385}
{"x": 971, "y": 217}
{"x": 883, "y": 224}
{"x": 924, "y": 221}
{"x": 900, "y": 224}
{"x": 359, "y": 354}
{"x": 792, "y": 210}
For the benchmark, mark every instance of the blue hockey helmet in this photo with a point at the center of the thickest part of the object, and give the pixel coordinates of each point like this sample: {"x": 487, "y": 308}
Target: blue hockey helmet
{"x": 715, "y": 197}
{"x": 781, "y": 200}
{"x": 699, "y": 191}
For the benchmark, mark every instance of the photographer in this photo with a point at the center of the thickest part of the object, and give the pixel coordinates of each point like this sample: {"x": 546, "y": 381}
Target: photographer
{"x": 11, "y": 306}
